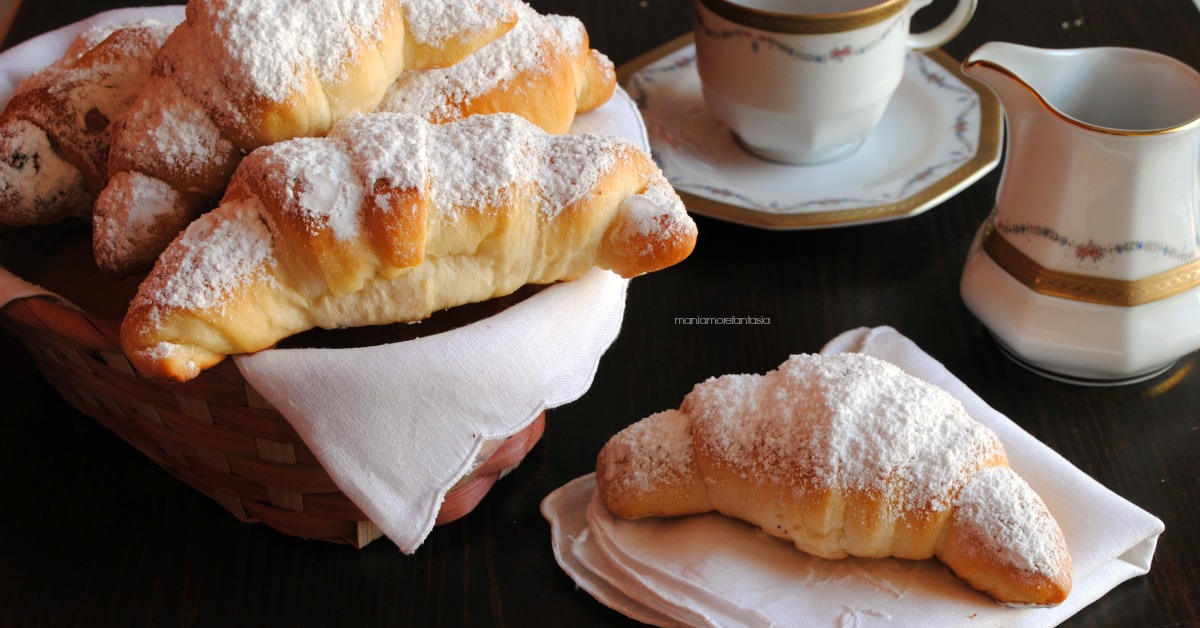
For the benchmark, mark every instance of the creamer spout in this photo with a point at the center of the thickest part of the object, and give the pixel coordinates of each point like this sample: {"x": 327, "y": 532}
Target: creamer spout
{"x": 1014, "y": 72}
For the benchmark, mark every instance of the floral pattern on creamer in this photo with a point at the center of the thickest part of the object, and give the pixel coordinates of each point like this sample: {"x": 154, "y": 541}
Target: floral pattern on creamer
{"x": 964, "y": 129}
{"x": 1094, "y": 252}
{"x": 759, "y": 41}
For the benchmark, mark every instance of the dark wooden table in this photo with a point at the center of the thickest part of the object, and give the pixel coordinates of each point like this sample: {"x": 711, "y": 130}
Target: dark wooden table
{"x": 93, "y": 534}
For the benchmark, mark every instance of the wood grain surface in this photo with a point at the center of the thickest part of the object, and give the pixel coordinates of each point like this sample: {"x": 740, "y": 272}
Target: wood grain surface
{"x": 94, "y": 534}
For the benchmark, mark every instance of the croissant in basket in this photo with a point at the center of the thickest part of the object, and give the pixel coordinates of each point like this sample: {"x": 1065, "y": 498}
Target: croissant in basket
{"x": 391, "y": 218}
{"x": 55, "y": 132}
{"x": 542, "y": 70}
{"x": 240, "y": 74}
{"x": 845, "y": 455}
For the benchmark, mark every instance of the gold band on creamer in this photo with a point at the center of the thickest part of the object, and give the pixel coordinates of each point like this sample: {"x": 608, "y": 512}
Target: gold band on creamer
{"x": 805, "y": 24}
{"x": 1087, "y": 288}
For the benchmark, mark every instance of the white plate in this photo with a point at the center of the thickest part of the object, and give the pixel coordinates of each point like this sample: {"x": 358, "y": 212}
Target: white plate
{"x": 938, "y": 135}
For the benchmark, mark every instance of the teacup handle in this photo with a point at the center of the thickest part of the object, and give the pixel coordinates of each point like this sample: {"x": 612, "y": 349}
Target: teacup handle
{"x": 944, "y": 32}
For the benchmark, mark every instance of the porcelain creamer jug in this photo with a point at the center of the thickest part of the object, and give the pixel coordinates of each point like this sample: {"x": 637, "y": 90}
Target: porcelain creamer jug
{"x": 1088, "y": 268}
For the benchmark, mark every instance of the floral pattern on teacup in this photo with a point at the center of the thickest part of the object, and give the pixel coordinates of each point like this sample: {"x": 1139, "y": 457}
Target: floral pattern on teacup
{"x": 758, "y": 41}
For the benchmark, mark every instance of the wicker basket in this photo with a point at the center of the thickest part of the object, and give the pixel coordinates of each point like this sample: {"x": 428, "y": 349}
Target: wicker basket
{"x": 216, "y": 433}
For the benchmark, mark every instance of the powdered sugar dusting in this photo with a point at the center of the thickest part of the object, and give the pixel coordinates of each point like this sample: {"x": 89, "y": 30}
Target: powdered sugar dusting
{"x": 111, "y": 79}
{"x": 663, "y": 443}
{"x": 470, "y": 165}
{"x": 36, "y": 185}
{"x": 846, "y": 421}
{"x": 464, "y": 166}
{"x": 562, "y": 179}
{"x": 87, "y": 39}
{"x": 654, "y": 215}
{"x": 317, "y": 183}
{"x": 431, "y": 22}
{"x": 128, "y": 210}
{"x": 643, "y": 216}
{"x": 166, "y": 127}
{"x": 441, "y": 94}
{"x": 393, "y": 148}
{"x": 266, "y": 46}
{"x": 219, "y": 252}
{"x": 1013, "y": 519}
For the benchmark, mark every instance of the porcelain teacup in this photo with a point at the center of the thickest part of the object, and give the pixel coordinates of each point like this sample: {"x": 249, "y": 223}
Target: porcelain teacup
{"x": 805, "y": 81}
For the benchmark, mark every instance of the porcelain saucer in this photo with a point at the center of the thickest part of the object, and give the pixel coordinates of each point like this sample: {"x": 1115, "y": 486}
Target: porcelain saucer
{"x": 938, "y": 136}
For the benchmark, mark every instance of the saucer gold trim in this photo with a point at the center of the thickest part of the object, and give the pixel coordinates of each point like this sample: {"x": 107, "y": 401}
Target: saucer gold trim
{"x": 805, "y": 24}
{"x": 1086, "y": 288}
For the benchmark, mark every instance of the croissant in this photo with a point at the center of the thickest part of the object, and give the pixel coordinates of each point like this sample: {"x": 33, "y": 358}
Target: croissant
{"x": 55, "y": 131}
{"x": 845, "y": 455}
{"x": 240, "y": 74}
{"x": 391, "y": 218}
{"x": 542, "y": 70}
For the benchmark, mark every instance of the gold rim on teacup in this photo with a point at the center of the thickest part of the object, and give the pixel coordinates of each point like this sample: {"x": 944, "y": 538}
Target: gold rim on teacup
{"x": 805, "y": 24}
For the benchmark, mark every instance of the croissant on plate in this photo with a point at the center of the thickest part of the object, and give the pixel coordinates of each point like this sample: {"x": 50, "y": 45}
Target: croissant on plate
{"x": 845, "y": 455}
{"x": 542, "y": 70}
{"x": 55, "y": 131}
{"x": 391, "y": 218}
{"x": 240, "y": 74}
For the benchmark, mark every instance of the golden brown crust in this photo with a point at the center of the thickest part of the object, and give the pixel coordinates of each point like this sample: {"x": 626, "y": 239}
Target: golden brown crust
{"x": 396, "y": 224}
{"x": 315, "y": 232}
{"x": 677, "y": 488}
{"x": 598, "y": 81}
{"x": 1003, "y": 541}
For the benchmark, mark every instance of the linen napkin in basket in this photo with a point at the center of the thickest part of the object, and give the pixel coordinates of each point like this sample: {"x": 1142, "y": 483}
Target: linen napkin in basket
{"x": 34, "y": 54}
{"x": 396, "y": 426}
{"x": 714, "y": 570}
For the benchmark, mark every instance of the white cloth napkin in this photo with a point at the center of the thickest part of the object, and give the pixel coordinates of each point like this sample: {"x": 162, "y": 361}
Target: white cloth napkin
{"x": 713, "y": 570}
{"x": 397, "y": 425}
